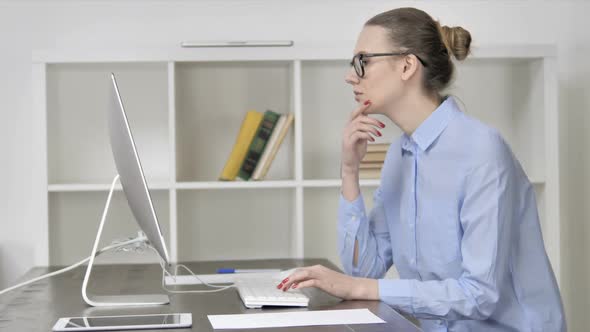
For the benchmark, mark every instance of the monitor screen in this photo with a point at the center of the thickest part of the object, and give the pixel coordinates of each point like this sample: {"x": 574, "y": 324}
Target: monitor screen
{"x": 131, "y": 173}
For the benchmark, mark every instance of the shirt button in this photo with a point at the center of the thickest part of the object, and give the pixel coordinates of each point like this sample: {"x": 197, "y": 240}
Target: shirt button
{"x": 353, "y": 218}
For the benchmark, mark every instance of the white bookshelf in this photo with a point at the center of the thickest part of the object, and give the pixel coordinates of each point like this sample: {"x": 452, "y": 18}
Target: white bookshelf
{"x": 185, "y": 107}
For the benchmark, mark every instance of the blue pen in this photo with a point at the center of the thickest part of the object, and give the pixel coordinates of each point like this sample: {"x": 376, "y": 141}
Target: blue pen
{"x": 247, "y": 270}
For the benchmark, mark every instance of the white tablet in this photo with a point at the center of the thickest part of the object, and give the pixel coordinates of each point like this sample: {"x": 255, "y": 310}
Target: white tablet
{"x": 129, "y": 322}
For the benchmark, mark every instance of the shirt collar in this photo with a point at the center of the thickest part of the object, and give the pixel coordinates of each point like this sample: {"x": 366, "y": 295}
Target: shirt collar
{"x": 431, "y": 128}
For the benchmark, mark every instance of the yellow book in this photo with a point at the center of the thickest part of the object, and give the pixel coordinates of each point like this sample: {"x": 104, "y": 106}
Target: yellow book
{"x": 369, "y": 173}
{"x": 247, "y": 131}
{"x": 371, "y": 165}
{"x": 377, "y": 147}
{"x": 273, "y": 146}
{"x": 374, "y": 157}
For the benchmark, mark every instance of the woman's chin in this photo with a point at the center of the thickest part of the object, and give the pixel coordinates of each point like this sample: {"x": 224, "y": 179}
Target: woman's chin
{"x": 371, "y": 110}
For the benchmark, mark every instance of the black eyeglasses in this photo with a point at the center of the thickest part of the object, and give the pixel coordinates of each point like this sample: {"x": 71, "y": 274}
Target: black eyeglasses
{"x": 359, "y": 64}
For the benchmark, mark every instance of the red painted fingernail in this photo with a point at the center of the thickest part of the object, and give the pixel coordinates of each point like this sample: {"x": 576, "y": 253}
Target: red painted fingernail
{"x": 378, "y": 133}
{"x": 294, "y": 285}
{"x": 367, "y": 102}
{"x": 381, "y": 124}
{"x": 284, "y": 281}
{"x": 280, "y": 286}
{"x": 372, "y": 139}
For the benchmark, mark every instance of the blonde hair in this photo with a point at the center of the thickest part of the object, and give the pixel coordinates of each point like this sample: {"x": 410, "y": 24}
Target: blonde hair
{"x": 457, "y": 41}
{"x": 415, "y": 32}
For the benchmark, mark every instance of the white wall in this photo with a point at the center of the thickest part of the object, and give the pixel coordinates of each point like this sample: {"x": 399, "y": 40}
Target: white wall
{"x": 31, "y": 25}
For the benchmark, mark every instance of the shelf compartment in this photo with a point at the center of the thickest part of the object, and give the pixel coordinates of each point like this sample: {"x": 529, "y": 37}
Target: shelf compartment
{"x": 230, "y": 225}
{"x": 77, "y": 104}
{"x": 74, "y": 220}
{"x": 508, "y": 95}
{"x": 208, "y": 121}
{"x": 327, "y": 102}
{"x": 321, "y": 220}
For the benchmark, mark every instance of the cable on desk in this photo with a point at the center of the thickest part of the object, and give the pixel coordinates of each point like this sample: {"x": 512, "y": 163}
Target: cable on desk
{"x": 71, "y": 267}
{"x": 165, "y": 272}
{"x": 139, "y": 239}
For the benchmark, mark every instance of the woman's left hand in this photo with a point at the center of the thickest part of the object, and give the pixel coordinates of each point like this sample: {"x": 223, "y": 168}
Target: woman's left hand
{"x": 332, "y": 282}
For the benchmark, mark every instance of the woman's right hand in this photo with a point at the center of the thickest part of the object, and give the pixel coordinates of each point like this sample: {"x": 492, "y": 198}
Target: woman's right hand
{"x": 332, "y": 282}
{"x": 357, "y": 133}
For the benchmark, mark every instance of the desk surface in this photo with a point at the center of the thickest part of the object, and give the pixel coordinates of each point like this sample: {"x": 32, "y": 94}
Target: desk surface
{"x": 38, "y": 306}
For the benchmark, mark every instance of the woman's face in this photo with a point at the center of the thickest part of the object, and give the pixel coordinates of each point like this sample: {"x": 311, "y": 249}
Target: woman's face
{"x": 382, "y": 83}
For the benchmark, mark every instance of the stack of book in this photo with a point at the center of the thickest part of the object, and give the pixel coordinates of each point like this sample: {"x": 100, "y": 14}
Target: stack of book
{"x": 372, "y": 163}
{"x": 258, "y": 142}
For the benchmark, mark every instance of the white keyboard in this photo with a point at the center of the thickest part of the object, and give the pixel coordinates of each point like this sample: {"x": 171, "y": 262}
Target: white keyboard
{"x": 258, "y": 292}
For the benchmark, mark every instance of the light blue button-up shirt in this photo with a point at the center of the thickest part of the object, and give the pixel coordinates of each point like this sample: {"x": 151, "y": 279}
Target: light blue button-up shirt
{"x": 457, "y": 215}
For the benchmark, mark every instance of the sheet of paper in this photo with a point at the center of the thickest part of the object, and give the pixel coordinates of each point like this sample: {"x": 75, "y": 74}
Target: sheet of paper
{"x": 299, "y": 318}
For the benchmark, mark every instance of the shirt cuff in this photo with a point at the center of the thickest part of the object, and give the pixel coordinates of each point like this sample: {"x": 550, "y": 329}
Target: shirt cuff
{"x": 349, "y": 221}
{"x": 397, "y": 293}
{"x": 351, "y": 213}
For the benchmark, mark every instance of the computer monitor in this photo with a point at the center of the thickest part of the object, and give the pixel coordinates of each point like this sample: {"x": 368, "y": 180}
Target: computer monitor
{"x": 138, "y": 197}
{"x": 131, "y": 173}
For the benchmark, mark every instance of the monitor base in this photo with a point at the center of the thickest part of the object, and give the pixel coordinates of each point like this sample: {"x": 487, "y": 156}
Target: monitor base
{"x": 115, "y": 300}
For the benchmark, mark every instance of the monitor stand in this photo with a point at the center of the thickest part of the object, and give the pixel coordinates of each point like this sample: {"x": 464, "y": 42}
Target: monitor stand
{"x": 115, "y": 300}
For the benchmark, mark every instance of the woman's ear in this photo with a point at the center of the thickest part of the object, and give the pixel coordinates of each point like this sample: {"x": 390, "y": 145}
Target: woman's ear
{"x": 410, "y": 66}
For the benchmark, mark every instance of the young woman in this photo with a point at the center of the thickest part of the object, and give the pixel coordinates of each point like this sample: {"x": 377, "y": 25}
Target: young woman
{"x": 455, "y": 211}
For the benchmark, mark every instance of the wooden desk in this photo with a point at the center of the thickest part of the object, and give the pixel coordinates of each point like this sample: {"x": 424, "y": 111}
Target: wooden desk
{"x": 38, "y": 306}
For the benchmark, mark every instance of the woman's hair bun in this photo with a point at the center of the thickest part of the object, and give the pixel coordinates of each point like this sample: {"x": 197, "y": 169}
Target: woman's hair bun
{"x": 457, "y": 40}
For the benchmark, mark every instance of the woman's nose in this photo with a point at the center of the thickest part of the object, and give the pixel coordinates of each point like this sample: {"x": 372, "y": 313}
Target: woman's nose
{"x": 351, "y": 77}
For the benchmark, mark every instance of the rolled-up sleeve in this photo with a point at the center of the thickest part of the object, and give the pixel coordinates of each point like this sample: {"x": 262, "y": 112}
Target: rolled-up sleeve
{"x": 371, "y": 233}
